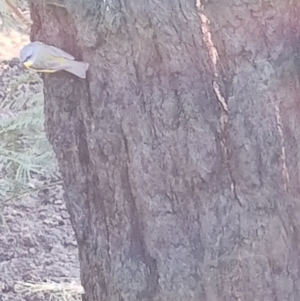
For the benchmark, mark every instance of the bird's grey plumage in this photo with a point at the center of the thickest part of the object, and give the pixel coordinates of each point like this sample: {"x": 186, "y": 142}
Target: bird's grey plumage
{"x": 45, "y": 58}
{"x": 26, "y": 52}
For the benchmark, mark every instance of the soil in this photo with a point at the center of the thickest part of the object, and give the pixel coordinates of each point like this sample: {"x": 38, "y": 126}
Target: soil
{"x": 10, "y": 44}
{"x": 37, "y": 242}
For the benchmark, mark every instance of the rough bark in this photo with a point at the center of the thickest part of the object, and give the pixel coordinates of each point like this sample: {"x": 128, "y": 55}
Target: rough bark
{"x": 179, "y": 153}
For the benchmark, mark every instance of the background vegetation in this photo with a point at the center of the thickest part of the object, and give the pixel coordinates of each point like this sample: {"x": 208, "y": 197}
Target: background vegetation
{"x": 24, "y": 149}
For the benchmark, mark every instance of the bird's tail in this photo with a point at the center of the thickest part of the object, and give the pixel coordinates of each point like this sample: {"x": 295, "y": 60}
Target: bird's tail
{"x": 77, "y": 68}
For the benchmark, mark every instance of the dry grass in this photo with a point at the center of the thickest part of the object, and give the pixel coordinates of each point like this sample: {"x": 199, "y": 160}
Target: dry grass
{"x": 70, "y": 291}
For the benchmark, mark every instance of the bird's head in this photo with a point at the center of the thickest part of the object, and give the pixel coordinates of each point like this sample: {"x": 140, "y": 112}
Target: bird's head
{"x": 25, "y": 54}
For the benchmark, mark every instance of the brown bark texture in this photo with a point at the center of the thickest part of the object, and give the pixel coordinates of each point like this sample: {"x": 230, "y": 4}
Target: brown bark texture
{"x": 179, "y": 153}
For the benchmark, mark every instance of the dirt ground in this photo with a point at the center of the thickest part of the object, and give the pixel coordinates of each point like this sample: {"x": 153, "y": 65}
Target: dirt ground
{"x": 10, "y": 44}
{"x": 38, "y": 251}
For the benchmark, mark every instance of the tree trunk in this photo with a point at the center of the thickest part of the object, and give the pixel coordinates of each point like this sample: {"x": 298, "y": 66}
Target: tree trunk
{"x": 179, "y": 153}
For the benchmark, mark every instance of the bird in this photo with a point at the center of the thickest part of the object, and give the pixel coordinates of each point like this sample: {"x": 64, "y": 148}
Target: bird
{"x": 49, "y": 59}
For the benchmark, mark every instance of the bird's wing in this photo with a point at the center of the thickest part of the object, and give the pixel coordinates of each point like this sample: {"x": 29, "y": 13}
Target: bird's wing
{"x": 57, "y": 51}
{"x": 60, "y": 53}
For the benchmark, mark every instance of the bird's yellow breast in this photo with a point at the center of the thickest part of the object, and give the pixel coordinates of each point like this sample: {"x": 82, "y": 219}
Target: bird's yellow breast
{"x": 28, "y": 65}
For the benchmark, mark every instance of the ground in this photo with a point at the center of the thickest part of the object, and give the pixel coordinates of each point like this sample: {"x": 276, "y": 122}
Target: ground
{"x": 10, "y": 43}
{"x": 38, "y": 251}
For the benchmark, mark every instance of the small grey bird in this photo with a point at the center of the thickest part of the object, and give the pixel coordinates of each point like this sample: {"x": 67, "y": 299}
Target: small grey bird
{"x": 48, "y": 59}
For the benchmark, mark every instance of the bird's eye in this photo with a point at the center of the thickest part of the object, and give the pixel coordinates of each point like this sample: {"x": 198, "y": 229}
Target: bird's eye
{"x": 27, "y": 58}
